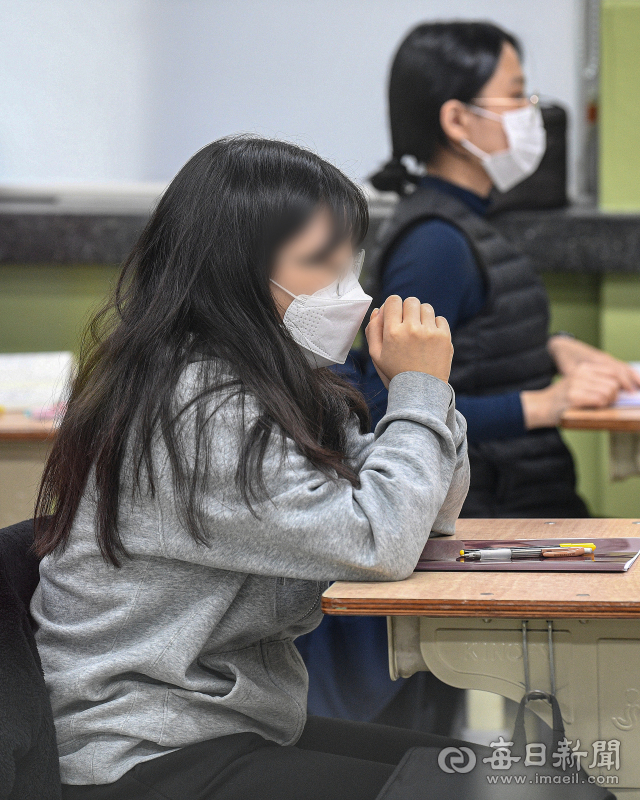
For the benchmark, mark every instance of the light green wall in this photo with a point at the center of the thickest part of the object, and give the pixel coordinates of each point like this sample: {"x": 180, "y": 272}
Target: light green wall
{"x": 45, "y": 308}
{"x": 619, "y": 113}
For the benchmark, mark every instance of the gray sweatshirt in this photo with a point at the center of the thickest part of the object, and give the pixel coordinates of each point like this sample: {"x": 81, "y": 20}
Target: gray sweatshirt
{"x": 187, "y": 642}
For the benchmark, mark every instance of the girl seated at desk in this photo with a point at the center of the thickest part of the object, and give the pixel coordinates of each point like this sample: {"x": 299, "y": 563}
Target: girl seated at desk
{"x": 211, "y": 476}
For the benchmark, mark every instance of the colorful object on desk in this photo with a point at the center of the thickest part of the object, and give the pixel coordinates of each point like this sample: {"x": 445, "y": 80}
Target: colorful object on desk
{"x": 578, "y": 544}
{"x": 40, "y": 414}
{"x": 47, "y": 413}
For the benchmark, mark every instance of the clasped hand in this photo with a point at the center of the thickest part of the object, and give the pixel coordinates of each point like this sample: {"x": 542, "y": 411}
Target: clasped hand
{"x": 408, "y": 337}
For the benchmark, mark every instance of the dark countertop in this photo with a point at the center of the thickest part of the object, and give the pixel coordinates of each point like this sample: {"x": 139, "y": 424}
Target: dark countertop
{"x": 68, "y": 238}
{"x": 575, "y": 239}
{"x": 578, "y": 238}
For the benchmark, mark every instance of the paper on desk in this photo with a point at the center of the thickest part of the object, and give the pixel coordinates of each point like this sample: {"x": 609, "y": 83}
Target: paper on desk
{"x": 629, "y": 399}
{"x": 34, "y": 382}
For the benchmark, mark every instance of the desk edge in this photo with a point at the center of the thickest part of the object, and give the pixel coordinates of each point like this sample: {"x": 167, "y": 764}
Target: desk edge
{"x": 335, "y": 606}
{"x": 27, "y": 436}
{"x": 627, "y": 426}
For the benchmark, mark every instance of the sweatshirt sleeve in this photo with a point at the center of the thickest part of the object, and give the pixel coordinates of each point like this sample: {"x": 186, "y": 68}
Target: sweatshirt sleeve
{"x": 413, "y": 473}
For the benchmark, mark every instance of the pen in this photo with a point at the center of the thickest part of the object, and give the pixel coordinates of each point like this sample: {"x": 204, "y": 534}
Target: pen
{"x": 514, "y": 553}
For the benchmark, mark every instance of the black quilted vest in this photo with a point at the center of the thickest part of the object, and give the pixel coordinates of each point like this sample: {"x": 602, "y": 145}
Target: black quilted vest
{"x": 502, "y": 349}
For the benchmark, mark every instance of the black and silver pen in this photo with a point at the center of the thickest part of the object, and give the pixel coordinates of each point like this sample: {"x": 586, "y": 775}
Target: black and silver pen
{"x": 514, "y": 553}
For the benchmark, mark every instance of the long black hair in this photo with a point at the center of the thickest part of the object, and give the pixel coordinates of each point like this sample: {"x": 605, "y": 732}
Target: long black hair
{"x": 436, "y": 62}
{"x": 196, "y": 288}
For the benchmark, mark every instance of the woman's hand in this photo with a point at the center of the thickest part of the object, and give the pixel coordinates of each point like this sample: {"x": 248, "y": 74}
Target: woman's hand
{"x": 569, "y": 354}
{"x": 408, "y": 337}
{"x": 588, "y": 386}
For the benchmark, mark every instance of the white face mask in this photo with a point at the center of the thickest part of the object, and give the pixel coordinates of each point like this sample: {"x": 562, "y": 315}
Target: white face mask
{"x": 325, "y": 323}
{"x": 527, "y": 140}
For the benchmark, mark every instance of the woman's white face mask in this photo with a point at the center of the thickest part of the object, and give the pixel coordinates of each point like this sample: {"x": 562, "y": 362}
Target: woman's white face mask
{"x": 527, "y": 141}
{"x": 325, "y": 323}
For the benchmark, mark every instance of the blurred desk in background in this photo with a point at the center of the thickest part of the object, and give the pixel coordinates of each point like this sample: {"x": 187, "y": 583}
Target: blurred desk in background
{"x": 602, "y": 419}
{"x": 32, "y": 388}
{"x": 24, "y": 447}
{"x": 21, "y": 428}
{"x": 623, "y": 426}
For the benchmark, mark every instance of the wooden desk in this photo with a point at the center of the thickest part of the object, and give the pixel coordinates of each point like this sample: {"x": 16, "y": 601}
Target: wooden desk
{"x": 19, "y": 427}
{"x": 623, "y": 425}
{"x": 467, "y": 629}
{"x": 603, "y": 419}
{"x": 504, "y": 594}
{"x": 24, "y": 447}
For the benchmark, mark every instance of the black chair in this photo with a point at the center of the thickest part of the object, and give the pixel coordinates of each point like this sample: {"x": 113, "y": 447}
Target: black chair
{"x": 29, "y": 768}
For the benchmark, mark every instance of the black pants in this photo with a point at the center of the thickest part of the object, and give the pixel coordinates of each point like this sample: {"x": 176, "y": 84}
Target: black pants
{"x": 426, "y": 704}
{"x": 333, "y": 760}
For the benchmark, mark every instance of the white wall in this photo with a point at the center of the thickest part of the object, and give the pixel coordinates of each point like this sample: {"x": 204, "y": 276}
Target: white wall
{"x": 73, "y": 90}
{"x": 95, "y": 90}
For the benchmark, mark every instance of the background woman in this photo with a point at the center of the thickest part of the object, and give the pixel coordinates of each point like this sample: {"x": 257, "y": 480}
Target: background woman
{"x": 458, "y": 108}
{"x": 209, "y": 478}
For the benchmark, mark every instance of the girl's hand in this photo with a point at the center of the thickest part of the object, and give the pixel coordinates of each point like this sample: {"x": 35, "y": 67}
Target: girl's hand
{"x": 588, "y": 386}
{"x": 569, "y": 354}
{"x": 373, "y": 332}
{"x": 408, "y": 337}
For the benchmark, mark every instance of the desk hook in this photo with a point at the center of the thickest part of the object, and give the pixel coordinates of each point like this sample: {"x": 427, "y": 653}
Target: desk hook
{"x": 525, "y": 657}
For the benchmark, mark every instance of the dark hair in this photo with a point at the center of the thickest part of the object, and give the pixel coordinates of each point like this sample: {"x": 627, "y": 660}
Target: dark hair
{"x": 196, "y": 288}
{"x": 436, "y": 62}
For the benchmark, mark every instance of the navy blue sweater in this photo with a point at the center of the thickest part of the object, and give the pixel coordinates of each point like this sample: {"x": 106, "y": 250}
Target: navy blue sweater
{"x": 434, "y": 262}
